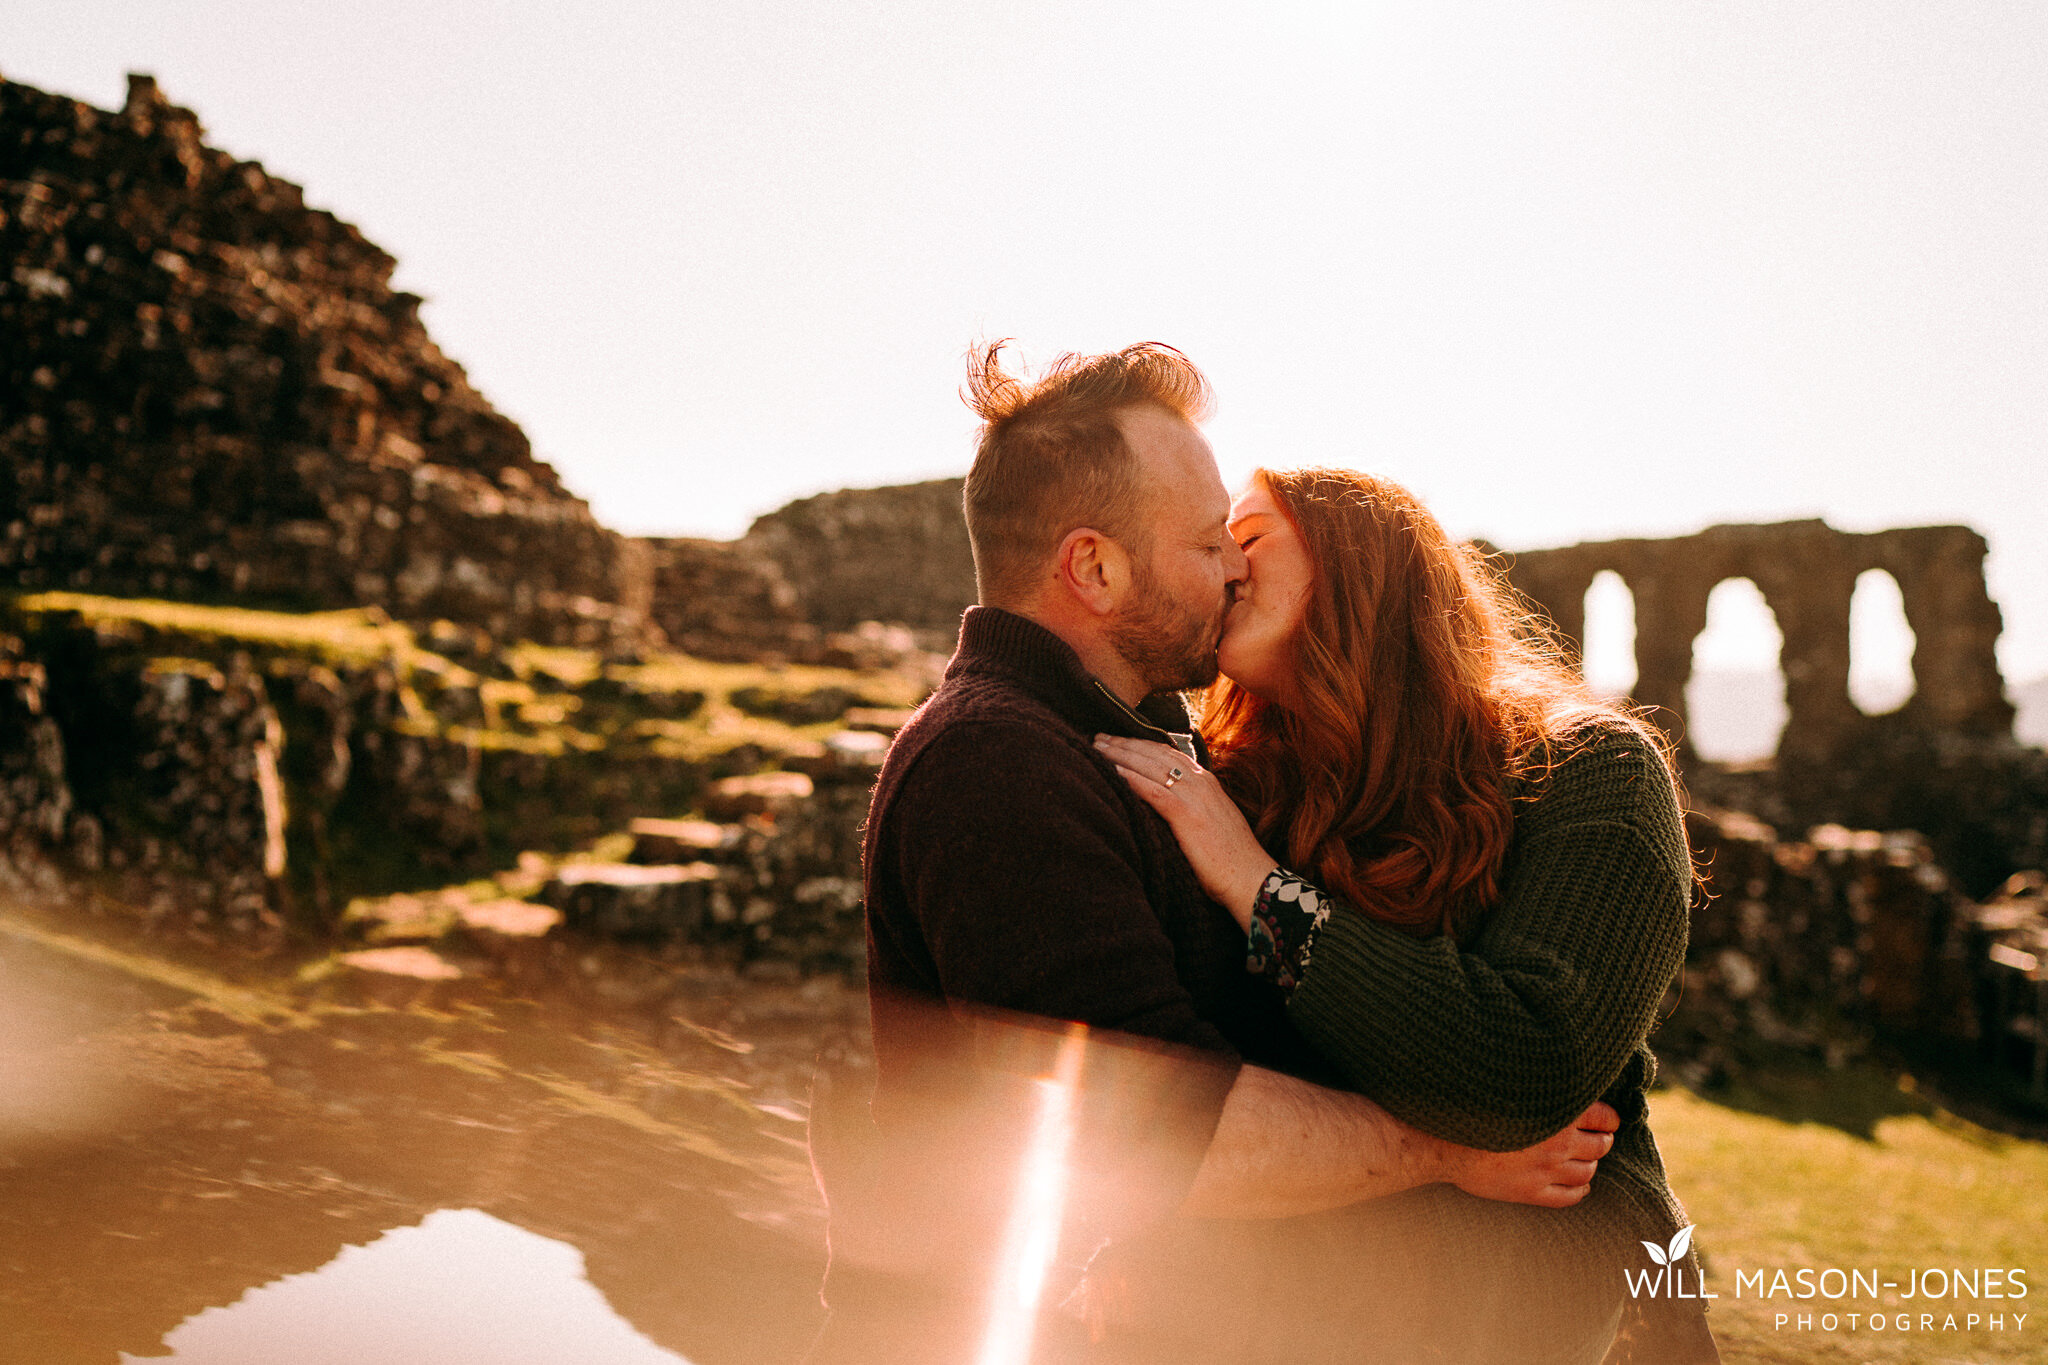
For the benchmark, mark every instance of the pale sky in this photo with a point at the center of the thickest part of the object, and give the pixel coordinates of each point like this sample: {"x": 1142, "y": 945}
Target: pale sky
{"x": 1569, "y": 270}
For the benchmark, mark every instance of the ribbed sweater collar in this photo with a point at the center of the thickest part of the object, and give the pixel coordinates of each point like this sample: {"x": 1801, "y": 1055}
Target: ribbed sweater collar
{"x": 1003, "y": 644}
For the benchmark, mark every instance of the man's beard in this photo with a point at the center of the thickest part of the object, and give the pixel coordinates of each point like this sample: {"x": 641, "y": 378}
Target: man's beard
{"x": 1172, "y": 647}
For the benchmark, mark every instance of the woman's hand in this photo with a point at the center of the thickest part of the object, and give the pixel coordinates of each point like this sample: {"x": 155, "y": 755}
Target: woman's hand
{"x": 1554, "y": 1174}
{"x": 1212, "y": 831}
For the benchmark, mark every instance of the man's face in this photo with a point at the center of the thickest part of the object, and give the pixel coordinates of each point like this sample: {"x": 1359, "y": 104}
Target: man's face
{"x": 1183, "y": 583}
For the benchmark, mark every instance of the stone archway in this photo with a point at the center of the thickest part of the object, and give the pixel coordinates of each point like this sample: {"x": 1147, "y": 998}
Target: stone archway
{"x": 1806, "y": 571}
{"x": 1608, "y": 661}
{"x": 1735, "y": 698}
{"x": 1880, "y": 677}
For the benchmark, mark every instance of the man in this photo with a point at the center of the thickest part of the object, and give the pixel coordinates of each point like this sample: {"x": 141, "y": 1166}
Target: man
{"x": 1008, "y": 866}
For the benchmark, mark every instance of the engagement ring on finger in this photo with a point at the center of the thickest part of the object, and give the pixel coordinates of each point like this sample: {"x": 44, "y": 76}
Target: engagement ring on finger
{"x": 1174, "y": 775}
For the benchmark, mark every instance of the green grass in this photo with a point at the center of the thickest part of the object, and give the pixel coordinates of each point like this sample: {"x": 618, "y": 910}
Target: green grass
{"x": 518, "y": 714}
{"x": 358, "y": 635}
{"x": 1855, "y": 1172}
{"x": 678, "y": 672}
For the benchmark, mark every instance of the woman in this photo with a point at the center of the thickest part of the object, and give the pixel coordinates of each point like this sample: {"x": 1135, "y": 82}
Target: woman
{"x": 1481, "y": 883}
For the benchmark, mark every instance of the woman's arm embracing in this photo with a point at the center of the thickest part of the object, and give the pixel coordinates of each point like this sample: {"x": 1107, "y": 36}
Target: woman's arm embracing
{"x": 1506, "y": 1039}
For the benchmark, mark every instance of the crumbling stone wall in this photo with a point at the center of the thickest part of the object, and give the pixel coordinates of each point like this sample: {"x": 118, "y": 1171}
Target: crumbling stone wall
{"x": 211, "y": 800}
{"x": 772, "y": 878}
{"x": 897, "y": 554}
{"x": 35, "y": 800}
{"x": 1820, "y": 945}
{"x": 901, "y": 554}
{"x": 1842, "y": 942}
{"x": 722, "y": 600}
{"x": 1806, "y": 571}
{"x": 210, "y": 389}
{"x": 228, "y": 786}
{"x": 163, "y": 776}
{"x": 242, "y": 773}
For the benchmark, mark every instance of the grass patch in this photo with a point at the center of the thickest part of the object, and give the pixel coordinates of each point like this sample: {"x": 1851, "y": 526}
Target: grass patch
{"x": 718, "y": 681}
{"x": 567, "y": 666}
{"x": 1803, "y": 1188}
{"x": 356, "y": 636}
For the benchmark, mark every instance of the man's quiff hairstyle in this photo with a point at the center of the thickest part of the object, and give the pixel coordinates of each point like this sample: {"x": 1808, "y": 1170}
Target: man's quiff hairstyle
{"x": 1052, "y": 458}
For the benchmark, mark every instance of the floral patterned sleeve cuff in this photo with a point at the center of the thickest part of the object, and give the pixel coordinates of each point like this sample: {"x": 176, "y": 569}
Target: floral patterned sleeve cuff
{"x": 1285, "y": 919}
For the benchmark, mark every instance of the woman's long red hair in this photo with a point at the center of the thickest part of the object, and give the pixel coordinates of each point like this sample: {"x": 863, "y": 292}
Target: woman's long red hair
{"x": 1429, "y": 690}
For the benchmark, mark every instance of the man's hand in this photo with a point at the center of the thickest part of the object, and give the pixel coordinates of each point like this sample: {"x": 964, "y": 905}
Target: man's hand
{"x": 1554, "y": 1174}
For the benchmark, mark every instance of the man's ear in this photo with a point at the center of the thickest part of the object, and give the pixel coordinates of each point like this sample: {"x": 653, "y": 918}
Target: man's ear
{"x": 1094, "y": 569}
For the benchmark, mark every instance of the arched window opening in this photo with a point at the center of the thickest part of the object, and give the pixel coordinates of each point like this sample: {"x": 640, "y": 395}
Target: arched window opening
{"x": 1609, "y": 661}
{"x": 1880, "y": 645}
{"x": 1735, "y": 700}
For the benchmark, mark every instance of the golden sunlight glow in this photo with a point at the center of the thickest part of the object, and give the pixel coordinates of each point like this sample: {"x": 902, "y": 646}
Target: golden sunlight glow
{"x": 1037, "y": 1210}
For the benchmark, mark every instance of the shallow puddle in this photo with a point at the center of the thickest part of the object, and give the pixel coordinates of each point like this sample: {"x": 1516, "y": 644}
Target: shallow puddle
{"x": 461, "y": 1286}
{"x": 224, "y": 1167}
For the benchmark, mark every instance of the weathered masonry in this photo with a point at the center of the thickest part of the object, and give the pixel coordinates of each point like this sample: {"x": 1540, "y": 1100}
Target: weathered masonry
{"x": 1806, "y": 571}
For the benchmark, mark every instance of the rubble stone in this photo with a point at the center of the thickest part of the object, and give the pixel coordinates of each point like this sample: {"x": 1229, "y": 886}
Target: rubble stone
{"x": 415, "y": 963}
{"x": 760, "y": 794}
{"x": 682, "y": 841}
{"x": 1822, "y": 946}
{"x": 2010, "y": 936}
{"x": 635, "y": 901}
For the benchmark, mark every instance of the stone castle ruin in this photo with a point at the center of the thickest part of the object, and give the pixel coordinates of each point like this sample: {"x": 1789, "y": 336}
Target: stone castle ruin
{"x": 212, "y": 395}
{"x": 1807, "y": 572}
{"x": 211, "y": 390}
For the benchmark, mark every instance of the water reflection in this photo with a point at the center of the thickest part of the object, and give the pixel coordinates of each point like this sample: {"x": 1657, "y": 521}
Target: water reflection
{"x": 461, "y": 1286}
{"x": 194, "y": 1138}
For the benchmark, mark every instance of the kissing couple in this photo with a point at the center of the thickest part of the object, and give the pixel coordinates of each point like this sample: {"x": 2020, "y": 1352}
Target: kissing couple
{"x": 1357, "y": 903}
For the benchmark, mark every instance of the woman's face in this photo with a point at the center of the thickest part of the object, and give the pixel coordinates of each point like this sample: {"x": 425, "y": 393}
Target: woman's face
{"x": 1257, "y": 651}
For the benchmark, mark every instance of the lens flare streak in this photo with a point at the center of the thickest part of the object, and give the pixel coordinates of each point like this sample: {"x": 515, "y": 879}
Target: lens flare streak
{"x": 1032, "y": 1237}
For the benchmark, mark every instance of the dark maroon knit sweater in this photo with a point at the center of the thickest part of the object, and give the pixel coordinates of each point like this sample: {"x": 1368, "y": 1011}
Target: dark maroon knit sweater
{"x": 1008, "y": 865}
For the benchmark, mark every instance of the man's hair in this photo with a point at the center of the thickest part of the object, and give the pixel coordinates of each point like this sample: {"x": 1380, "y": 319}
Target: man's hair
{"x": 1052, "y": 458}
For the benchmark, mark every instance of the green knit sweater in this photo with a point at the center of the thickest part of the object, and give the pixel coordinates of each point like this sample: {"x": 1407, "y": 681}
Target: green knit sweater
{"x": 1504, "y": 1039}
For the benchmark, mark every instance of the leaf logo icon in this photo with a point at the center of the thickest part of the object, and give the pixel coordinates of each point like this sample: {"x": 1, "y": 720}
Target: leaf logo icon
{"x": 1680, "y": 1240}
{"x": 1656, "y": 1253}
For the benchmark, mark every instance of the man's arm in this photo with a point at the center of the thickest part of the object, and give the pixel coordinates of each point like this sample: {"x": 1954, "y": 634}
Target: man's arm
{"x": 1284, "y": 1147}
